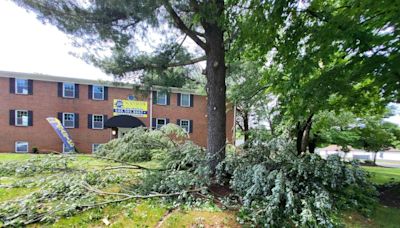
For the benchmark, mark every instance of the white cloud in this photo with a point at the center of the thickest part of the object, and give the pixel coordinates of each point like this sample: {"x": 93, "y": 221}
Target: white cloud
{"x": 27, "y": 45}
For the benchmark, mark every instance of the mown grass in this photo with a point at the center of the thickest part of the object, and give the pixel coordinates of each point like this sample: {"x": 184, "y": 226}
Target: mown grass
{"x": 383, "y": 216}
{"x": 135, "y": 213}
{"x": 382, "y": 175}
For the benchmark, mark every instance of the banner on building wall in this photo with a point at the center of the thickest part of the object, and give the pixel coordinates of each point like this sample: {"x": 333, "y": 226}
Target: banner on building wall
{"x": 62, "y": 133}
{"x": 130, "y": 108}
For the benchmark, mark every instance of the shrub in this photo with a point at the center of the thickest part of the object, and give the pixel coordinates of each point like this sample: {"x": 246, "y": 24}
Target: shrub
{"x": 35, "y": 150}
{"x": 280, "y": 189}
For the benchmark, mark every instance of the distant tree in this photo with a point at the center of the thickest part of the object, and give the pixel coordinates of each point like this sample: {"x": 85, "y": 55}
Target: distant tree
{"x": 336, "y": 128}
{"x": 394, "y": 129}
{"x": 247, "y": 91}
{"x": 375, "y": 137}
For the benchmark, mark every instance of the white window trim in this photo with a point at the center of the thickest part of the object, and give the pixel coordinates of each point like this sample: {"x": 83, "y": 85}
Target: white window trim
{"x": 165, "y": 122}
{"x": 16, "y": 118}
{"x": 190, "y": 102}
{"x": 27, "y": 150}
{"x": 93, "y": 121}
{"x": 63, "y": 118}
{"x": 102, "y": 99}
{"x": 166, "y": 98}
{"x": 16, "y": 86}
{"x": 188, "y": 121}
{"x": 63, "y": 88}
{"x": 98, "y": 144}
{"x": 63, "y": 148}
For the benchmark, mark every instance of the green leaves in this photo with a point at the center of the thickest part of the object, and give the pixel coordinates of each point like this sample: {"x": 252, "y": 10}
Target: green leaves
{"x": 326, "y": 55}
{"x": 283, "y": 189}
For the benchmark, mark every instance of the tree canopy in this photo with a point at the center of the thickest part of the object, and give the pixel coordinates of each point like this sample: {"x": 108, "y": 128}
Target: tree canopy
{"x": 323, "y": 55}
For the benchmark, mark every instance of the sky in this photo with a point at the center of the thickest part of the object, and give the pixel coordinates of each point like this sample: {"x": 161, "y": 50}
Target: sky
{"x": 29, "y": 46}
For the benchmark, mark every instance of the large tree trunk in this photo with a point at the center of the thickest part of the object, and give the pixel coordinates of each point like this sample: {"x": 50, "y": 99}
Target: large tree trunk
{"x": 216, "y": 89}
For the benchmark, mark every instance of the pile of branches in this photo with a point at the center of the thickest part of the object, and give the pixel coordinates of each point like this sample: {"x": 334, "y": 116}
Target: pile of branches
{"x": 269, "y": 183}
{"x": 278, "y": 188}
{"x": 140, "y": 144}
{"x": 65, "y": 189}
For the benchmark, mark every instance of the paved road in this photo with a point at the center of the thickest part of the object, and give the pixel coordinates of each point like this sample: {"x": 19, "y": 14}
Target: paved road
{"x": 391, "y": 164}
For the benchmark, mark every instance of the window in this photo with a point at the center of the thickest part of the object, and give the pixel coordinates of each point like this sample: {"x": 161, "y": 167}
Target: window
{"x": 95, "y": 147}
{"x": 69, "y": 90}
{"x": 21, "y": 86}
{"x": 161, "y": 98}
{"x": 22, "y": 118}
{"x": 97, "y": 122}
{"x": 98, "y": 92}
{"x": 69, "y": 120}
{"x": 67, "y": 149}
{"x": 21, "y": 146}
{"x": 160, "y": 123}
{"x": 185, "y": 100}
{"x": 185, "y": 124}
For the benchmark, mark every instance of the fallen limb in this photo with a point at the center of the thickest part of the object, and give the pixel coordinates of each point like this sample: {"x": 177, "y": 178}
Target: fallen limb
{"x": 126, "y": 167}
{"x": 155, "y": 195}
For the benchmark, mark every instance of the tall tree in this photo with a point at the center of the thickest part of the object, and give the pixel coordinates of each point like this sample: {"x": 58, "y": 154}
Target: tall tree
{"x": 117, "y": 25}
{"x": 326, "y": 55}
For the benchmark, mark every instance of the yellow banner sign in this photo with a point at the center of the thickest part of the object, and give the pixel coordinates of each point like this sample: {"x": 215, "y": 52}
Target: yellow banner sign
{"x": 130, "y": 108}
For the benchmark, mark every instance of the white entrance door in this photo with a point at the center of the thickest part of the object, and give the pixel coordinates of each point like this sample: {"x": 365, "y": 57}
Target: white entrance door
{"x": 122, "y": 131}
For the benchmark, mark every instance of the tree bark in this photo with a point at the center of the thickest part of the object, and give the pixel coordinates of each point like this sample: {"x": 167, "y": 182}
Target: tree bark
{"x": 303, "y": 135}
{"x": 246, "y": 126}
{"x": 375, "y": 153}
{"x": 216, "y": 88}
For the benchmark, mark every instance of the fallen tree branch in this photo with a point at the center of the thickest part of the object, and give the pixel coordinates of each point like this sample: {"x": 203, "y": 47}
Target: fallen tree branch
{"x": 122, "y": 162}
{"x": 125, "y": 167}
{"x": 155, "y": 195}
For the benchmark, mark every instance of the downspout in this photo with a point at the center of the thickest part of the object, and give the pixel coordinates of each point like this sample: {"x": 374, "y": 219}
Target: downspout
{"x": 234, "y": 125}
{"x": 151, "y": 109}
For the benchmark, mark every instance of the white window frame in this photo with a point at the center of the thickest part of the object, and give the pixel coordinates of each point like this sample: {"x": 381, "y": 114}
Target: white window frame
{"x": 166, "y": 98}
{"x": 63, "y": 119}
{"x": 27, "y": 147}
{"x": 16, "y": 86}
{"x": 93, "y": 97}
{"x": 63, "y": 147}
{"x": 190, "y": 102}
{"x": 165, "y": 122}
{"x": 93, "y": 146}
{"x": 102, "y": 116}
{"x": 16, "y": 118}
{"x": 73, "y": 91}
{"x": 180, "y": 124}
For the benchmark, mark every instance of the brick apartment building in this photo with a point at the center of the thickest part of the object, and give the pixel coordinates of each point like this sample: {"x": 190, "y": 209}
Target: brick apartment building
{"x": 89, "y": 110}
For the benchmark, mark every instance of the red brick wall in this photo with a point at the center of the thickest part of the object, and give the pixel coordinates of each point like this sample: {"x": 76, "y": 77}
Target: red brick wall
{"x": 45, "y": 103}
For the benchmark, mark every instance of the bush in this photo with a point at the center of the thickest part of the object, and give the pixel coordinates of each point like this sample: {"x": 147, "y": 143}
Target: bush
{"x": 140, "y": 144}
{"x": 280, "y": 189}
{"x": 35, "y": 150}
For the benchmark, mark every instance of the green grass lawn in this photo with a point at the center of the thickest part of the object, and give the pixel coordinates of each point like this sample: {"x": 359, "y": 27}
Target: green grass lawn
{"x": 135, "y": 213}
{"x": 381, "y": 175}
{"x": 383, "y": 216}
{"x": 148, "y": 213}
